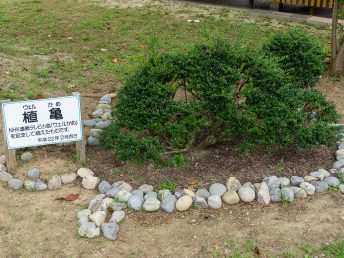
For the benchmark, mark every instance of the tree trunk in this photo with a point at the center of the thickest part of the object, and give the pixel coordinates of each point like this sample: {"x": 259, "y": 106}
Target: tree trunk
{"x": 334, "y": 37}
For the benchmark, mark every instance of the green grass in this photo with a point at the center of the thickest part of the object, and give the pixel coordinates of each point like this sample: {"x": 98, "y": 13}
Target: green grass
{"x": 61, "y": 41}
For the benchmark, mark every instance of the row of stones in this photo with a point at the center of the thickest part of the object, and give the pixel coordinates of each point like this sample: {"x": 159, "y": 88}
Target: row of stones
{"x": 100, "y": 118}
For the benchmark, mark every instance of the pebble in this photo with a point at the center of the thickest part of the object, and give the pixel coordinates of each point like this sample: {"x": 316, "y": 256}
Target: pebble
{"x": 118, "y": 206}
{"x": 68, "y": 178}
{"x": 189, "y": 192}
{"x": 110, "y": 230}
{"x": 163, "y": 193}
{"x": 168, "y": 204}
{"x": 151, "y": 194}
{"x": 117, "y": 217}
{"x": 146, "y": 188}
{"x": 92, "y": 141}
{"x": 231, "y": 197}
{"x": 284, "y": 181}
{"x": 296, "y": 180}
{"x": 203, "y": 193}
{"x": 308, "y": 188}
{"x": 5, "y": 177}
{"x": 103, "y": 124}
{"x": 332, "y": 181}
{"x": 263, "y": 195}
{"x": 121, "y": 185}
{"x": 200, "y": 202}
{"x": 217, "y": 189}
{"x": 29, "y": 185}
{"x": 310, "y": 178}
{"x": 112, "y": 192}
{"x": 320, "y": 186}
{"x": 40, "y": 186}
{"x": 151, "y": 204}
{"x": 135, "y": 202}
{"x": 84, "y": 212}
{"x": 233, "y": 184}
{"x": 89, "y": 230}
{"x": 26, "y": 156}
{"x": 214, "y": 201}
{"x": 98, "y": 217}
{"x": 90, "y": 182}
{"x": 287, "y": 195}
{"x": 123, "y": 196}
{"x": 104, "y": 186}
{"x": 89, "y": 123}
{"x": 184, "y": 203}
{"x": 246, "y": 194}
{"x": 33, "y": 173}
{"x": 15, "y": 184}
{"x": 85, "y": 172}
{"x": 54, "y": 183}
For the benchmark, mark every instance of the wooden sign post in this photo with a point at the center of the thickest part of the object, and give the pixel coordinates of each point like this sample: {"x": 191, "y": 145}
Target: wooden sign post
{"x": 42, "y": 122}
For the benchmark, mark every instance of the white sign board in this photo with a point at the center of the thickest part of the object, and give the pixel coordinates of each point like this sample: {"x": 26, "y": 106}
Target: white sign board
{"x": 42, "y": 122}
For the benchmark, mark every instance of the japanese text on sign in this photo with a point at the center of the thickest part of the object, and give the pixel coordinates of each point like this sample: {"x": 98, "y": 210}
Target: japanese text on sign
{"x": 41, "y": 122}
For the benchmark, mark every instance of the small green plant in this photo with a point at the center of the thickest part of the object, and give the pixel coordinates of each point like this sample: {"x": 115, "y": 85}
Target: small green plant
{"x": 84, "y": 206}
{"x": 341, "y": 178}
{"x": 168, "y": 185}
{"x": 177, "y": 160}
{"x": 39, "y": 216}
{"x": 280, "y": 167}
{"x": 117, "y": 171}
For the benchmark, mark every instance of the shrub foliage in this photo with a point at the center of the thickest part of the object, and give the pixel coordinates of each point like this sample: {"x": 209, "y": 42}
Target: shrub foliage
{"x": 211, "y": 93}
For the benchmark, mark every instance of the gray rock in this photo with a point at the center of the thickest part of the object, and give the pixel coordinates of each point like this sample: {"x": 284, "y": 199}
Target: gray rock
{"x": 89, "y": 123}
{"x": 168, "y": 204}
{"x": 203, "y": 193}
{"x": 112, "y": 192}
{"x": 341, "y": 146}
{"x": 26, "y": 156}
{"x": 341, "y": 188}
{"x": 296, "y": 180}
{"x": 40, "y": 186}
{"x": 324, "y": 172}
{"x": 3, "y": 168}
{"x": 106, "y": 99}
{"x": 84, "y": 212}
{"x": 95, "y": 133}
{"x": 110, "y": 230}
{"x": 233, "y": 184}
{"x": 163, "y": 193}
{"x": 82, "y": 219}
{"x": 178, "y": 194}
{"x": 95, "y": 202}
{"x": 298, "y": 192}
{"x": 5, "y": 177}
{"x": 121, "y": 185}
{"x": 273, "y": 182}
{"x": 318, "y": 175}
{"x": 146, "y": 188}
{"x": 275, "y": 194}
{"x": 217, "y": 189}
{"x": 138, "y": 192}
{"x": 85, "y": 172}
{"x": 118, "y": 206}
{"x": 33, "y": 173}
{"x": 231, "y": 197}
{"x": 287, "y": 195}
{"x": 284, "y": 181}
{"x": 117, "y": 217}
{"x": 92, "y": 141}
{"x": 123, "y": 196}
{"x": 151, "y": 195}
{"x": 250, "y": 185}
{"x": 29, "y": 185}
{"x": 98, "y": 113}
{"x": 135, "y": 202}
{"x": 54, "y": 183}
{"x": 338, "y": 164}
{"x": 200, "y": 202}
{"x": 332, "y": 181}
{"x": 104, "y": 186}
{"x": 214, "y": 201}
{"x": 68, "y": 178}
{"x": 246, "y": 194}
{"x": 320, "y": 186}
{"x": 98, "y": 217}
{"x": 263, "y": 195}
{"x": 103, "y": 124}
{"x": 308, "y": 188}
{"x": 89, "y": 230}
{"x": 151, "y": 204}
{"x": 15, "y": 184}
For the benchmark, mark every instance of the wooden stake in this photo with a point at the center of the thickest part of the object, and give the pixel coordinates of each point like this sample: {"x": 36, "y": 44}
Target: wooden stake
{"x": 80, "y": 145}
{"x": 11, "y": 162}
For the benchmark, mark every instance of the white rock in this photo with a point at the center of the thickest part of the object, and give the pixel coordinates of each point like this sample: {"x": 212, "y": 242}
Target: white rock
{"x": 246, "y": 194}
{"x": 263, "y": 195}
{"x": 123, "y": 196}
{"x": 68, "y": 178}
{"x": 184, "y": 203}
{"x": 90, "y": 182}
{"x": 117, "y": 217}
{"x": 89, "y": 229}
{"x": 231, "y": 197}
{"x": 121, "y": 185}
{"x": 85, "y": 172}
{"x": 98, "y": 217}
{"x": 189, "y": 192}
{"x": 54, "y": 183}
{"x": 308, "y": 188}
{"x": 29, "y": 185}
{"x": 146, "y": 188}
{"x": 84, "y": 212}
{"x": 233, "y": 184}
{"x": 3, "y": 168}
{"x": 151, "y": 204}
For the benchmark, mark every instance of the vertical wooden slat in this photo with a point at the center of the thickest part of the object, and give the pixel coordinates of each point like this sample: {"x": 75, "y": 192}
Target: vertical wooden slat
{"x": 11, "y": 162}
{"x": 81, "y": 145}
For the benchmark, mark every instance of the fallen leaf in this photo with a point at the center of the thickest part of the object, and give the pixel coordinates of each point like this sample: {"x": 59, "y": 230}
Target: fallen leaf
{"x": 69, "y": 198}
{"x": 193, "y": 182}
{"x": 115, "y": 60}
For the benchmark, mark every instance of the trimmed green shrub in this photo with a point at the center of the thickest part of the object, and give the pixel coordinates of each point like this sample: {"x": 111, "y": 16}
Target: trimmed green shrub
{"x": 299, "y": 55}
{"x": 212, "y": 93}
